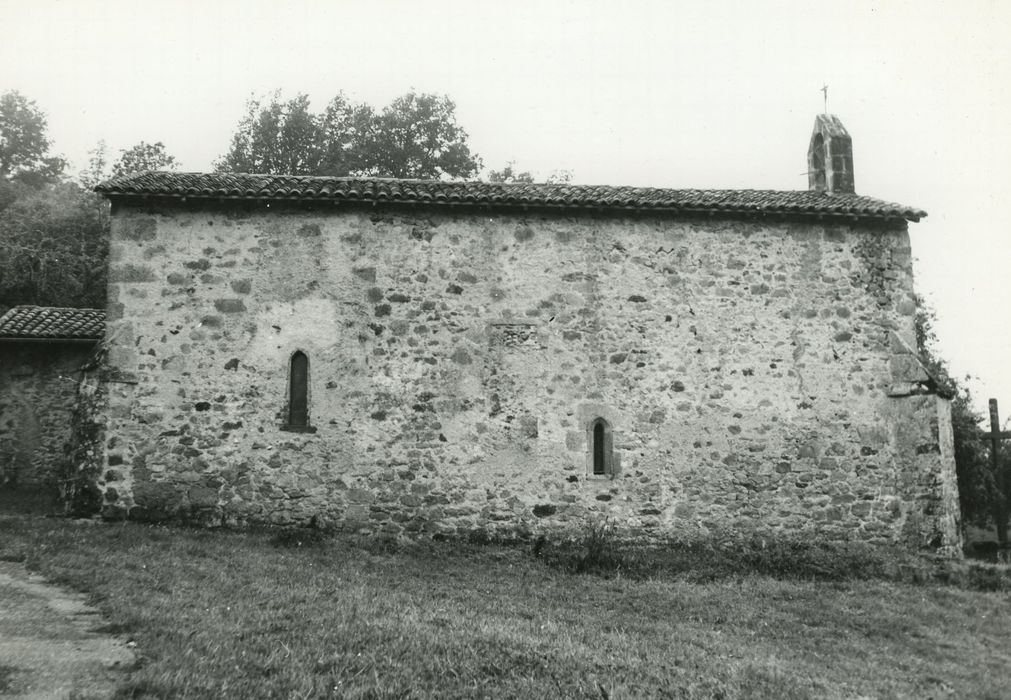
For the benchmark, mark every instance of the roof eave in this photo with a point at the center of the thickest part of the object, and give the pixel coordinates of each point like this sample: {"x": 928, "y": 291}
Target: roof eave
{"x": 38, "y": 339}
{"x": 735, "y": 212}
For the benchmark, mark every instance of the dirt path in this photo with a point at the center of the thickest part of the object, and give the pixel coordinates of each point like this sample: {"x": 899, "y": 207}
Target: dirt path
{"x": 49, "y": 646}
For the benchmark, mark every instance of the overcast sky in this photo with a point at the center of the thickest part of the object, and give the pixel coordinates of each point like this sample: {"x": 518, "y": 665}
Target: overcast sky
{"x": 669, "y": 94}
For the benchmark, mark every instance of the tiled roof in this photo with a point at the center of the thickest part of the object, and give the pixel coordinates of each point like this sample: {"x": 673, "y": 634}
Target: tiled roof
{"x": 50, "y": 322}
{"x": 238, "y": 186}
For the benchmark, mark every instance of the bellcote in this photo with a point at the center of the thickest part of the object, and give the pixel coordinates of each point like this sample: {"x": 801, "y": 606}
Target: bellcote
{"x": 830, "y": 156}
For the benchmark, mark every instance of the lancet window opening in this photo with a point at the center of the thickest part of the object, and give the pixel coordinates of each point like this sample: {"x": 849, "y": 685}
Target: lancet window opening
{"x": 600, "y": 453}
{"x": 298, "y": 391}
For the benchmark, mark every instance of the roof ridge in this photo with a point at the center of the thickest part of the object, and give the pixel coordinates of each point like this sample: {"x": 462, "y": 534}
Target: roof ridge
{"x": 55, "y": 308}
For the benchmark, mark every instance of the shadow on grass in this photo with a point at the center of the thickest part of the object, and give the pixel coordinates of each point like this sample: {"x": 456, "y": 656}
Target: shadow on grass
{"x": 601, "y": 553}
{"x": 5, "y": 677}
{"x": 28, "y": 501}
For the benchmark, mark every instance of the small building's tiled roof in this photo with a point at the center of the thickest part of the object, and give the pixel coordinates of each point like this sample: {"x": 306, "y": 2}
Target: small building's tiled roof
{"x": 53, "y": 323}
{"x": 237, "y": 186}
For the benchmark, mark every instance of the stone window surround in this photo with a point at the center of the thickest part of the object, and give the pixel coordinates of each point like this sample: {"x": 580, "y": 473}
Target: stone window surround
{"x": 288, "y": 425}
{"x": 610, "y": 467}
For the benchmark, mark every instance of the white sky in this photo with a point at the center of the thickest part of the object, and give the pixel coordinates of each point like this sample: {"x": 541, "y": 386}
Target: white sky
{"x": 702, "y": 94}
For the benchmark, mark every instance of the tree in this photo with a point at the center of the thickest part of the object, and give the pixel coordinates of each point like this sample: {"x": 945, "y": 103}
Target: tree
{"x": 53, "y": 234}
{"x": 11, "y": 191}
{"x": 559, "y": 177}
{"x": 143, "y": 156}
{"x": 415, "y": 136}
{"x": 981, "y": 501}
{"x": 287, "y": 138}
{"x": 97, "y": 169}
{"x": 273, "y": 139}
{"x": 53, "y": 248}
{"x": 508, "y": 174}
{"x": 344, "y": 127}
{"x": 24, "y": 143}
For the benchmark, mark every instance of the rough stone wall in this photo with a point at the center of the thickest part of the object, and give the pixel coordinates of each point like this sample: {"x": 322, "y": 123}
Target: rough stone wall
{"x": 927, "y": 473}
{"x": 85, "y": 464}
{"x": 38, "y": 387}
{"x": 752, "y": 375}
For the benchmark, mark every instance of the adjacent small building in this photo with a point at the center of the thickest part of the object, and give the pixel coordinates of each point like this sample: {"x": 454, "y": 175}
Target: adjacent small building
{"x": 436, "y": 358}
{"x": 42, "y": 352}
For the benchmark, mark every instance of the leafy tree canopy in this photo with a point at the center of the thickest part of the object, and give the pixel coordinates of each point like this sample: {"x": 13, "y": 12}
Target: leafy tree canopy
{"x": 510, "y": 174}
{"x": 53, "y": 233}
{"x": 53, "y": 248}
{"x": 143, "y": 156}
{"x": 97, "y": 168}
{"x": 24, "y": 143}
{"x": 285, "y": 137}
{"x": 416, "y": 136}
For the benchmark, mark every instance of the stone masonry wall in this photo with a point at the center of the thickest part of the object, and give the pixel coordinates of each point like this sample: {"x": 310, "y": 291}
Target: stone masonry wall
{"x": 457, "y": 361}
{"x": 38, "y": 387}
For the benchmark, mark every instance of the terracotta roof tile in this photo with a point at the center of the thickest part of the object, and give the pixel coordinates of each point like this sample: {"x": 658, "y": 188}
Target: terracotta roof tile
{"x": 31, "y": 322}
{"x": 803, "y": 203}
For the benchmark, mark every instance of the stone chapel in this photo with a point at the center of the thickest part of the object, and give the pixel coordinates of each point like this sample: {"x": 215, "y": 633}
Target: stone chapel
{"x": 438, "y": 358}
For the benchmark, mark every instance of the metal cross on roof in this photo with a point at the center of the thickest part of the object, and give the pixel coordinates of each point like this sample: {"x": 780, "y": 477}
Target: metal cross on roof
{"x": 824, "y": 91}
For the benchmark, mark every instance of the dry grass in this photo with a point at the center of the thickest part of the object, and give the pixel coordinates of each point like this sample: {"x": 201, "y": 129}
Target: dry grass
{"x": 219, "y": 614}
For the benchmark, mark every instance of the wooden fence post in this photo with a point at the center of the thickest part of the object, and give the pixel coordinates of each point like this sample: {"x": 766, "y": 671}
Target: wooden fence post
{"x": 995, "y": 436}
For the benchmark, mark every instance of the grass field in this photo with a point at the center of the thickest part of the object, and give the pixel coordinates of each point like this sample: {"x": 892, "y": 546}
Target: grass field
{"x": 254, "y": 615}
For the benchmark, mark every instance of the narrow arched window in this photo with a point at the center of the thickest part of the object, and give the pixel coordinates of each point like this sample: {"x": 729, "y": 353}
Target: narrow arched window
{"x": 298, "y": 396}
{"x": 600, "y": 449}
{"x": 599, "y": 464}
